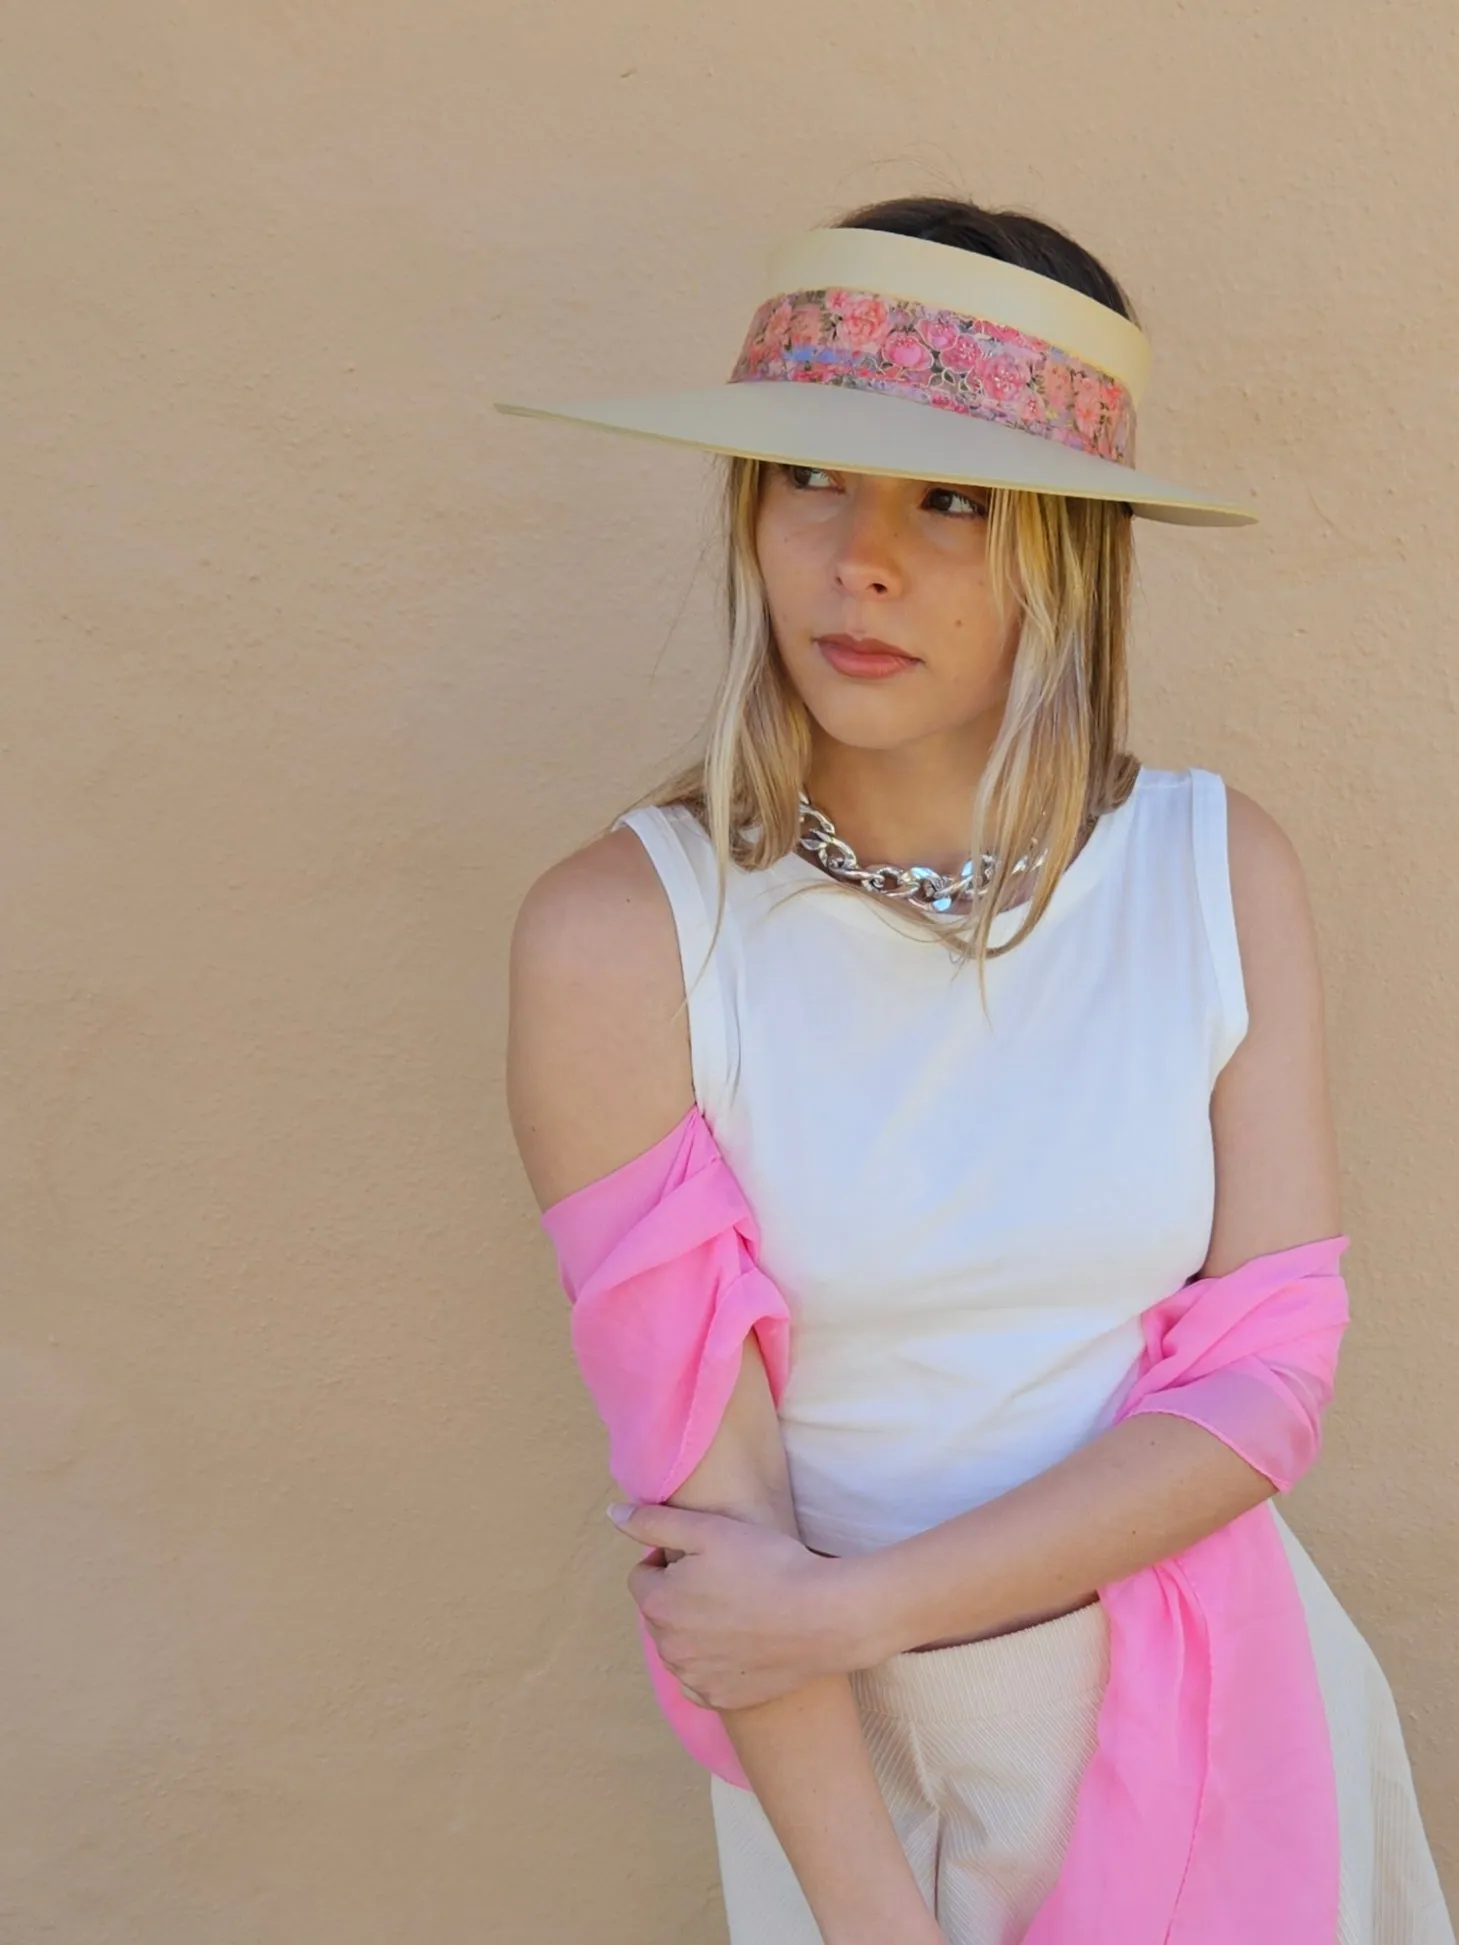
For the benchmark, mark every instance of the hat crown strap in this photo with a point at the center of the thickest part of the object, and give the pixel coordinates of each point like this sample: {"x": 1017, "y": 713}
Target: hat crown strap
{"x": 973, "y": 365}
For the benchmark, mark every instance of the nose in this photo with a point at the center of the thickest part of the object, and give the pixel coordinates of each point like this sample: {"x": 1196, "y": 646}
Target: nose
{"x": 868, "y": 538}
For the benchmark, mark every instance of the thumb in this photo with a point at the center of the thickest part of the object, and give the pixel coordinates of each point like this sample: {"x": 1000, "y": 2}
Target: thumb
{"x": 675, "y": 1527}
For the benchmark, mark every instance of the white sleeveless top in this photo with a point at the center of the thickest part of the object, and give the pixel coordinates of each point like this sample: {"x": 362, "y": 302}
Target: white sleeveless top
{"x": 965, "y": 1220}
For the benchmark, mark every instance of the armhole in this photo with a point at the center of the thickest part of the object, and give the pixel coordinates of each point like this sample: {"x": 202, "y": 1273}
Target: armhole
{"x": 1218, "y": 912}
{"x": 708, "y": 1039}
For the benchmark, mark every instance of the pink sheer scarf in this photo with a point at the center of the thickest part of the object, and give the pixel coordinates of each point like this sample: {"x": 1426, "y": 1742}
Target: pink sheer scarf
{"x": 1208, "y": 1812}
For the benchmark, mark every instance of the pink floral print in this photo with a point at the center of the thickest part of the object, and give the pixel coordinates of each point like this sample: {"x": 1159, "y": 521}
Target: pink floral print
{"x": 945, "y": 358}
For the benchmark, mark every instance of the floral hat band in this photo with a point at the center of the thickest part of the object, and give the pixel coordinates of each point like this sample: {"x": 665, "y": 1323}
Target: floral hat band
{"x": 878, "y": 353}
{"x": 941, "y": 357}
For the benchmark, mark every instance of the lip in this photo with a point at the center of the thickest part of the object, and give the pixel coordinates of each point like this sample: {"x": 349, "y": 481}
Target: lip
{"x": 863, "y": 655}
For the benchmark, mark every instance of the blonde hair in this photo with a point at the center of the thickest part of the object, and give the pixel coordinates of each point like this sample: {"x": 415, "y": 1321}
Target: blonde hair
{"x": 1056, "y": 765}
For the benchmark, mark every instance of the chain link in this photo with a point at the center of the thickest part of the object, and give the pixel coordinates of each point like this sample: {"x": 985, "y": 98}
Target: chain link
{"x": 917, "y": 884}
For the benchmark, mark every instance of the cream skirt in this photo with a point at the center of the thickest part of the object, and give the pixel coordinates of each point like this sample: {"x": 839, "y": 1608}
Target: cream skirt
{"x": 979, "y": 1750}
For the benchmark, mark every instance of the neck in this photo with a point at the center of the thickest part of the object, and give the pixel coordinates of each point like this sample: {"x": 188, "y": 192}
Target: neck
{"x": 893, "y": 811}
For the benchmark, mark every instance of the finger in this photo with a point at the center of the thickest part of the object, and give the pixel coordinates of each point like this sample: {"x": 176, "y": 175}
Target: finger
{"x": 642, "y": 1580}
{"x": 664, "y": 1526}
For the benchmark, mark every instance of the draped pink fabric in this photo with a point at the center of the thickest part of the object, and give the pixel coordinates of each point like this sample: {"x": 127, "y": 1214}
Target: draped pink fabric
{"x": 658, "y": 1261}
{"x": 1208, "y": 1812}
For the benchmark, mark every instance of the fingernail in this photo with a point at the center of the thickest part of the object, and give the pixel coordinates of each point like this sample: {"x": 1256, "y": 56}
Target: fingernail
{"x": 619, "y": 1512}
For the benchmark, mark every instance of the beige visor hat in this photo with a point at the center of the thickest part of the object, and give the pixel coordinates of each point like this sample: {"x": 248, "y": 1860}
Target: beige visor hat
{"x": 876, "y": 353}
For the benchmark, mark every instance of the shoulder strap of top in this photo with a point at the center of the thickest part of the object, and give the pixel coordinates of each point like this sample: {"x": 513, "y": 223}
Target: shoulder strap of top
{"x": 1213, "y": 884}
{"x": 685, "y": 869}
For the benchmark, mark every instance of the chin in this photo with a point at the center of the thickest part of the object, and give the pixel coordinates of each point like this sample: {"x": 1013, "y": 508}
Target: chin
{"x": 864, "y": 715}
{"x": 871, "y": 725}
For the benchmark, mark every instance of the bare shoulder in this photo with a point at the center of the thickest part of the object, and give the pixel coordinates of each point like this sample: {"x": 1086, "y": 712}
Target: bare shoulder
{"x": 1275, "y": 925}
{"x": 1268, "y": 885}
{"x": 598, "y": 1065}
{"x": 1277, "y": 1165}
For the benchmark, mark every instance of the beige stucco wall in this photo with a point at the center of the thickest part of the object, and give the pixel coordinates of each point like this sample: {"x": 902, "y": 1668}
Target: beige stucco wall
{"x": 311, "y": 1625}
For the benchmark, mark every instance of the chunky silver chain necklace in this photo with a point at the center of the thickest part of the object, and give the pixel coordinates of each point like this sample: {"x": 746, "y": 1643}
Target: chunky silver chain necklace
{"x": 918, "y": 884}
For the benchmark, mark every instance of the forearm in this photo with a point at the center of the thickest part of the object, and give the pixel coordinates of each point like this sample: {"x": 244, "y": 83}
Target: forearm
{"x": 804, "y": 1753}
{"x": 1136, "y": 1494}
{"x": 806, "y": 1758}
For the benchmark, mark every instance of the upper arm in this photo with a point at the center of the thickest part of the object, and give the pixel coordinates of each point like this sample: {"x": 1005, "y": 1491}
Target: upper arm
{"x": 1277, "y": 1164}
{"x": 598, "y": 1069}
{"x": 598, "y": 1058}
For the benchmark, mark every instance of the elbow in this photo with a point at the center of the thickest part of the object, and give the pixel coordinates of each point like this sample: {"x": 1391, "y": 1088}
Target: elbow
{"x": 759, "y": 1498}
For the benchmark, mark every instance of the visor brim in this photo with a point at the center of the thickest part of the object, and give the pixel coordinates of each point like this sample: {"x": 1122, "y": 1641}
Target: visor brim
{"x": 852, "y": 430}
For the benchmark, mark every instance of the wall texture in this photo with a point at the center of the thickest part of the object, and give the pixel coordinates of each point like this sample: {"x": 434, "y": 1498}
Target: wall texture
{"x": 312, "y": 1628}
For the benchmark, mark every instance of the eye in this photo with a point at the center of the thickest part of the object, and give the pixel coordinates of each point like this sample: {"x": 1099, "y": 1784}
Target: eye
{"x": 798, "y": 476}
{"x": 979, "y": 507}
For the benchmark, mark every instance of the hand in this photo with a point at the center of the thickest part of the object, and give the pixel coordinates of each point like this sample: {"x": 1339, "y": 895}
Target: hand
{"x": 744, "y": 1614}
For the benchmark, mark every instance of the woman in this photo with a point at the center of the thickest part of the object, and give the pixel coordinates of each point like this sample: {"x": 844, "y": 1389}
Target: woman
{"x": 954, "y": 1339}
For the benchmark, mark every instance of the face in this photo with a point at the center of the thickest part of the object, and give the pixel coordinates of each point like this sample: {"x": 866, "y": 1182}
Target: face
{"x": 863, "y": 554}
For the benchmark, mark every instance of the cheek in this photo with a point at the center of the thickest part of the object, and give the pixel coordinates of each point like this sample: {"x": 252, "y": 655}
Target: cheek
{"x": 964, "y": 596}
{"x": 787, "y": 567}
